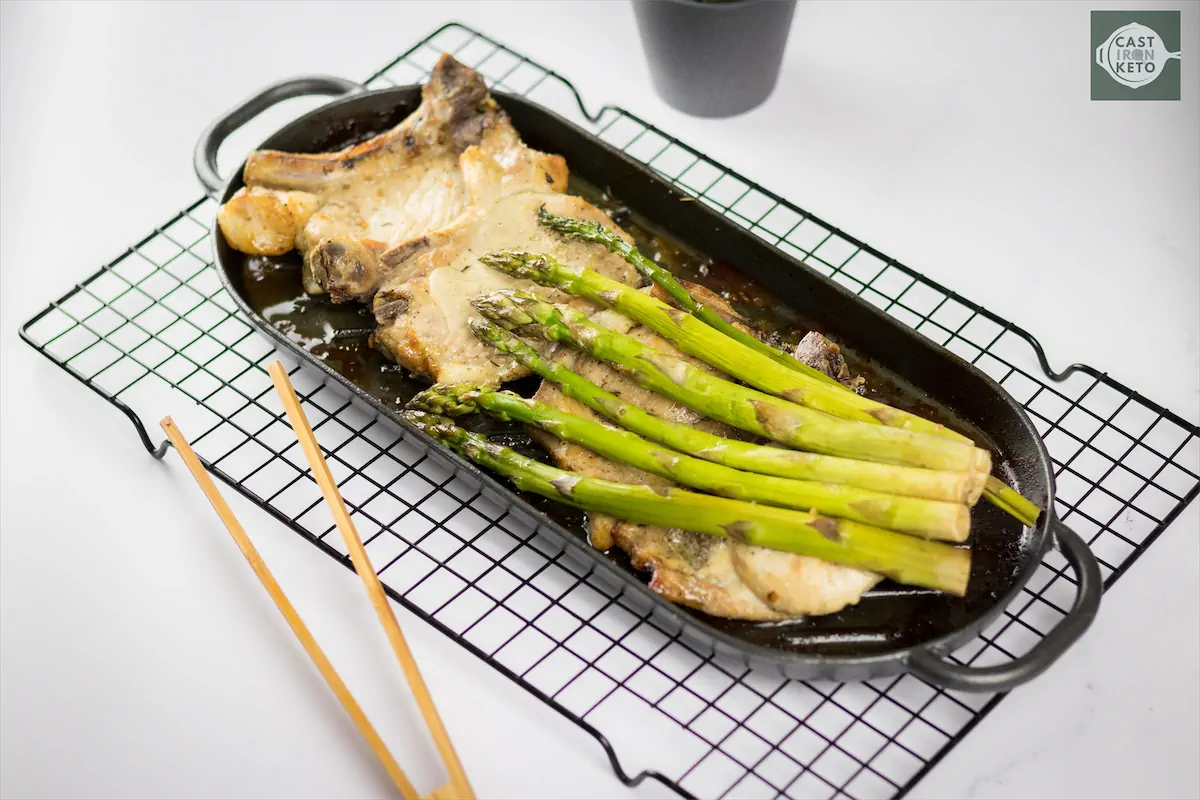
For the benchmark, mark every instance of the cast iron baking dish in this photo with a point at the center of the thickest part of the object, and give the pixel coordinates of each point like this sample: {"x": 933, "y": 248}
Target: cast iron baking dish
{"x": 892, "y": 629}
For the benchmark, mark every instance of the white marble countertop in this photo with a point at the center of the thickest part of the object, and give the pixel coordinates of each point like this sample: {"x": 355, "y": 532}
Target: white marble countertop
{"x": 137, "y": 660}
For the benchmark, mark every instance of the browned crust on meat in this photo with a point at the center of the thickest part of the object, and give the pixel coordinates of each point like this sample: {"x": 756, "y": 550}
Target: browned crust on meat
{"x": 405, "y": 350}
{"x": 689, "y": 588}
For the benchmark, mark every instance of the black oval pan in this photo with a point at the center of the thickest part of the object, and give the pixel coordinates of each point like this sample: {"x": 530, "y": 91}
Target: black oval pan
{"x": 893, "y": 628}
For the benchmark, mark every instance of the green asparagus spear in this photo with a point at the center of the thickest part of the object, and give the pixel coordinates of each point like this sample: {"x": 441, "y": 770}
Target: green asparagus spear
{"x": 731, "y": 403}
{"x": 1008, "y": 499}
{"x": 954, "y": 487}
{"x": 929, "y": 519}
{"x": 696, "y": 338}
{"x": 589, "y": 231}
{"x": 904, "y": 559}
{"x": 997, "y": 492}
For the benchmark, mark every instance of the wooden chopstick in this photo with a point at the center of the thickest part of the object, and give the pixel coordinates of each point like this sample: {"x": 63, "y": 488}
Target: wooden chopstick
{"x": 289, "y": 612}
{"x": 459, "y": 786}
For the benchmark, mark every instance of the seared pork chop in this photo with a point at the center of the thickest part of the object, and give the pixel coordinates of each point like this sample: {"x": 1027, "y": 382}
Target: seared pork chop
{"x": 389, "y": 190}
{"x": 721, "y": 577}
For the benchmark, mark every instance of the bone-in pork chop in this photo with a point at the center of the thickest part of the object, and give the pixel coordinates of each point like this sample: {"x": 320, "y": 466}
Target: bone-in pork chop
{"x": 718, "y": 576}
{"x": 389, "y": 190}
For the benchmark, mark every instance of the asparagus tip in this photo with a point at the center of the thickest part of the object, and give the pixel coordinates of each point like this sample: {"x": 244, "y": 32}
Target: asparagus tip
{"x": 519, "y": 264}
{"x": 446, "y": 400}
{"x": 437, "y": 426}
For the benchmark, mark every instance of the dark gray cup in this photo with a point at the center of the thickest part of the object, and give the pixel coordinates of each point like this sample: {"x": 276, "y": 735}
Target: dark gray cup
{"x": 714, "y": 59}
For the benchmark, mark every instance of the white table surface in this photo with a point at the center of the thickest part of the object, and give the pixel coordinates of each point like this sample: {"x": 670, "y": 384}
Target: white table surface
{"x": 139, "y": 658}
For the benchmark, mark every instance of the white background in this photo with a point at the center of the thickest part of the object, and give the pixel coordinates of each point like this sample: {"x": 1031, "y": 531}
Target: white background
{"x": 140, "y": 659}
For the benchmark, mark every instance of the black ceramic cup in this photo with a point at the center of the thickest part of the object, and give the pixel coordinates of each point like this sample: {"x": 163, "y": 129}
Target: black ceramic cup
{"x": 714, "y": 59}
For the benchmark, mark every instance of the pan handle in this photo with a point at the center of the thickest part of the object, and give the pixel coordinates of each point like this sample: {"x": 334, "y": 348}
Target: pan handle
{"x": 1003, "y": 677}
{"x": 205, "y": 158}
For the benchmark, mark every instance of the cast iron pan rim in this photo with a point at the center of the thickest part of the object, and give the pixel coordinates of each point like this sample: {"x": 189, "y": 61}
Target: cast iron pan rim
{"x": 1041, "y": 539}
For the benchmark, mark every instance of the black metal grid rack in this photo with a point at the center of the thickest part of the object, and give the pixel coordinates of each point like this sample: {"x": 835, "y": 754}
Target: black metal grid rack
{"x": 153, "y": 332}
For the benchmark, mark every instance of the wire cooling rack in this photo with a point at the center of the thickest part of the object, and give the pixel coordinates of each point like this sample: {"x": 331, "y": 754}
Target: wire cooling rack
{"x": 153, "y": 332}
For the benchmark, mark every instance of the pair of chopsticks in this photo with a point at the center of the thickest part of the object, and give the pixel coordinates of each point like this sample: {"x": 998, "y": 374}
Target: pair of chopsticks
{"x": 458, "y": 787}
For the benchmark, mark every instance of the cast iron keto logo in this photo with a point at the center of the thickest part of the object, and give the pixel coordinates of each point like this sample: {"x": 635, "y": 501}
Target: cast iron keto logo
{"x": 1135, "y": 55}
